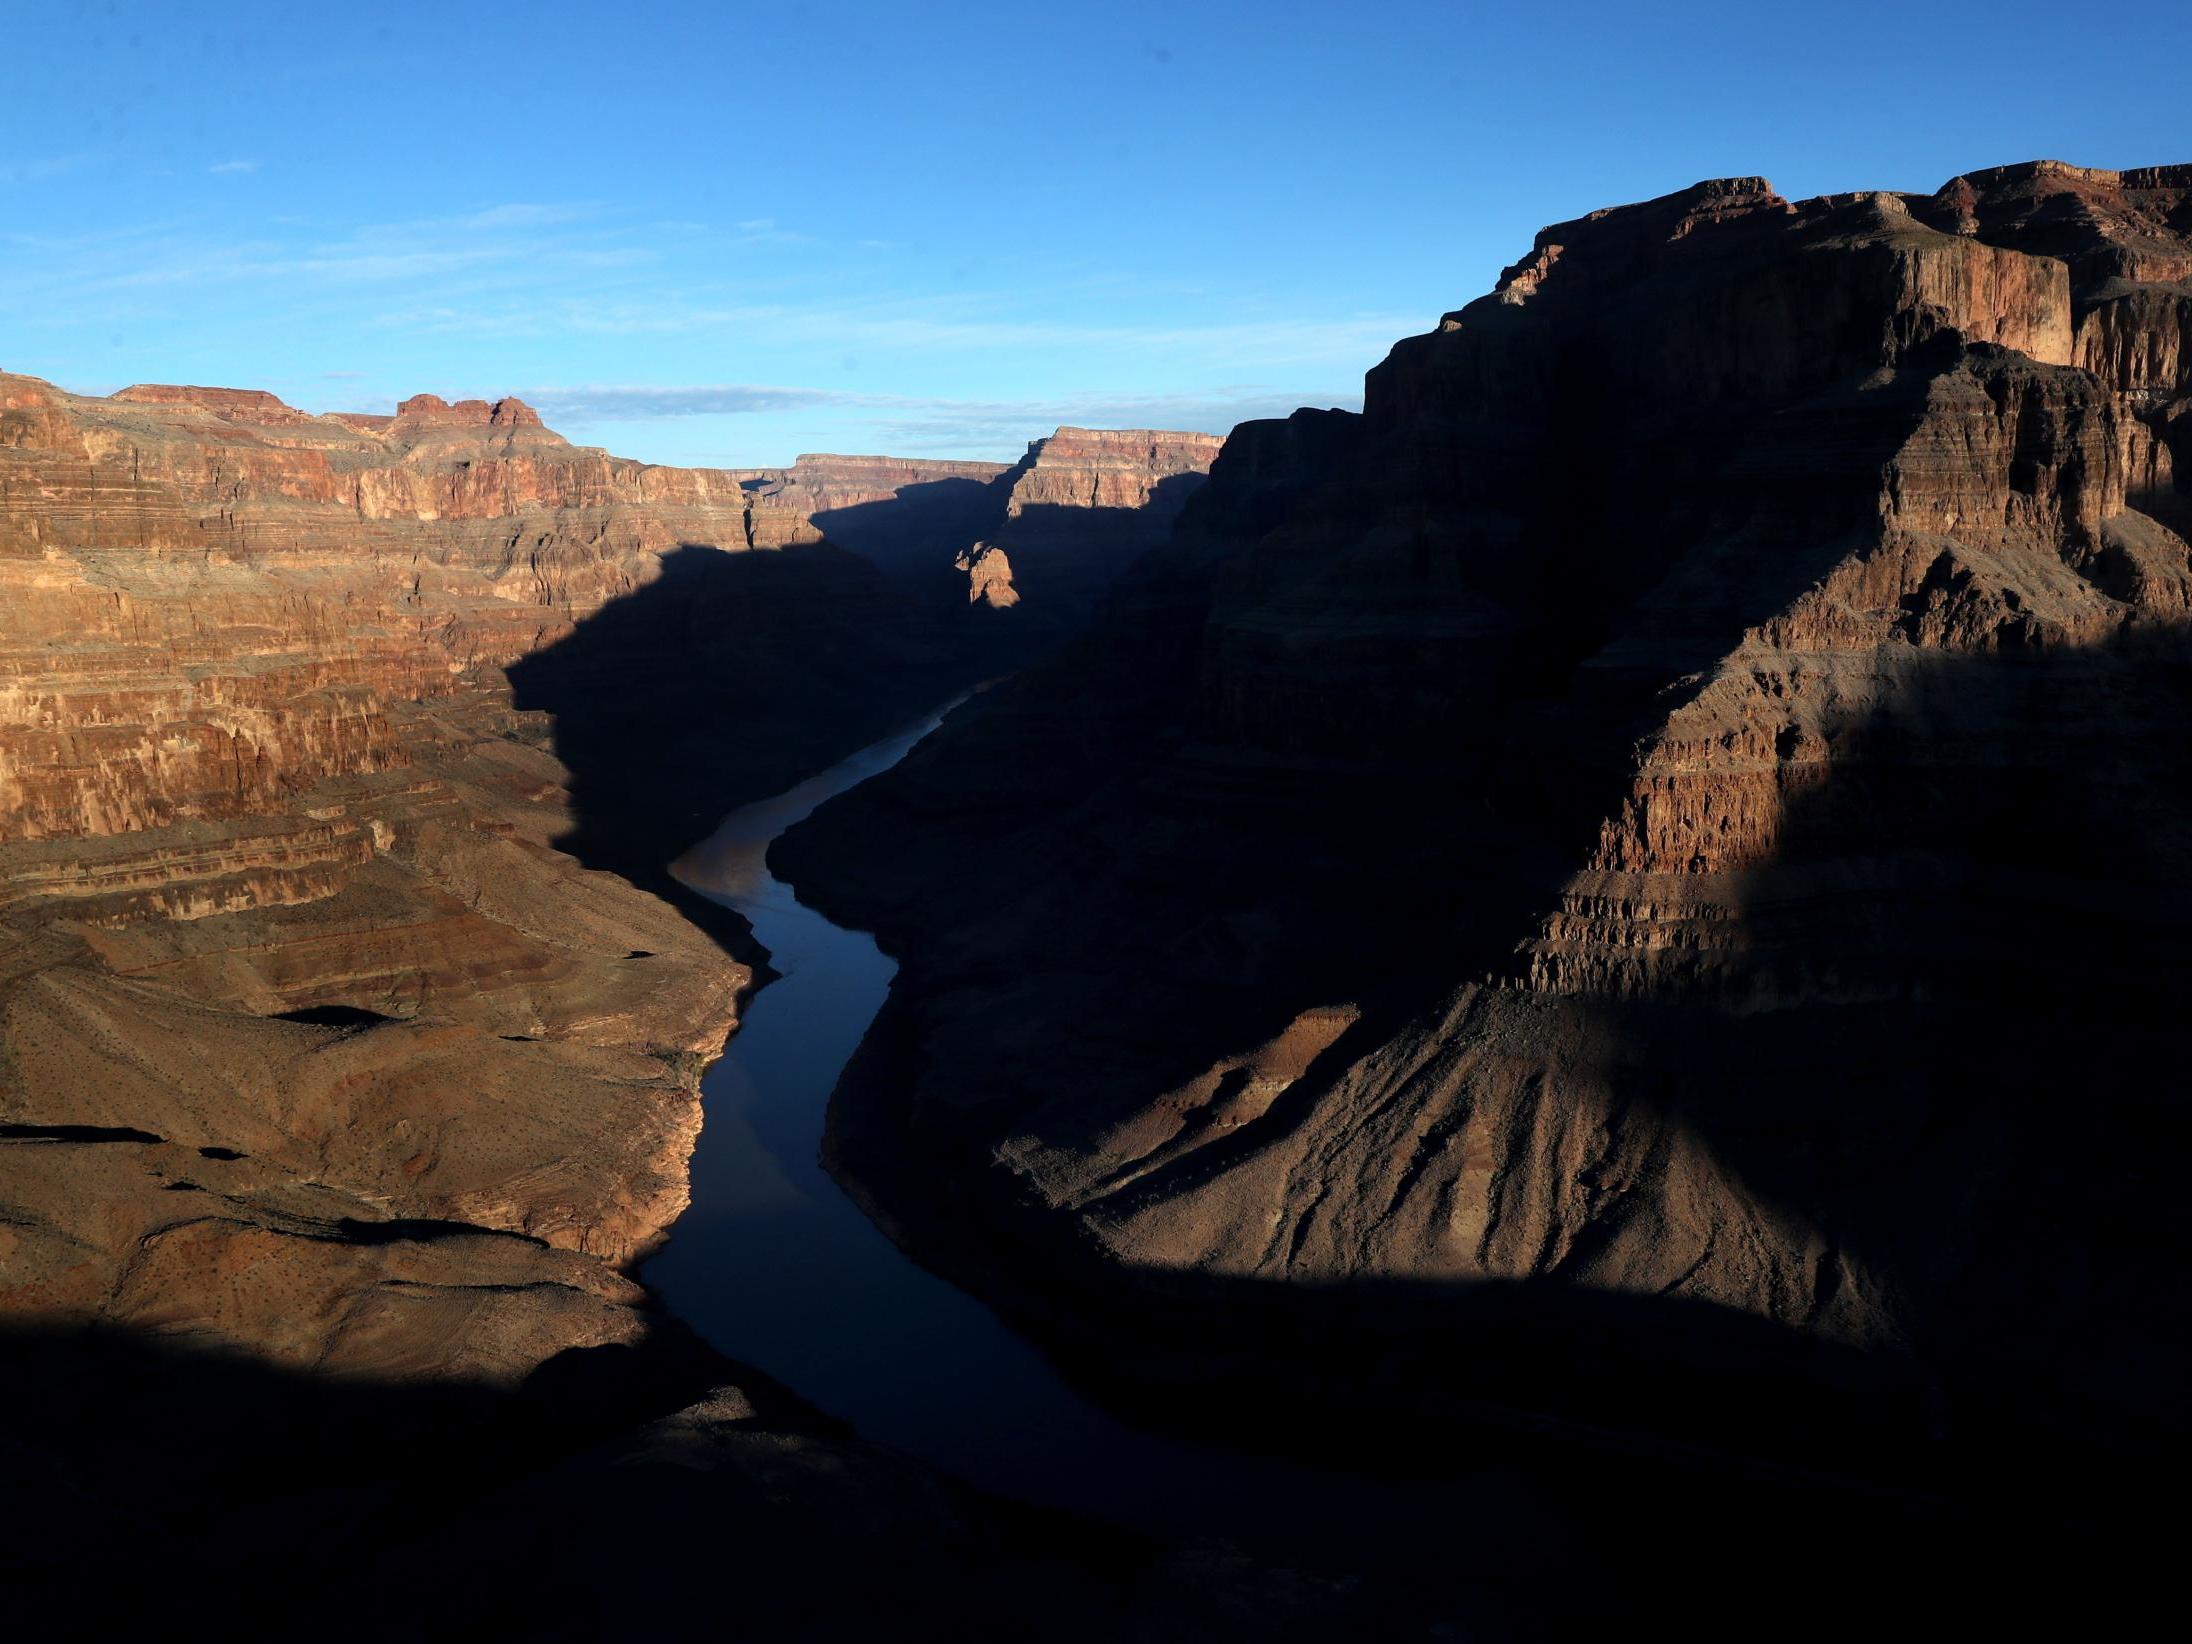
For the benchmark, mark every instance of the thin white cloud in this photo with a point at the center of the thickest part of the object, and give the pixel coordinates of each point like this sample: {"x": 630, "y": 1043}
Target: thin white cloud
{"x": 520, "y": 243}
{"x": 957, "y": 325}
{"x": 764, "y": 231}
{"x": 342, "y": 376}
{"x": 39, "y": 169}
{"x": 619, "y": 403}
{"x": 919, "y": 425}
{"x": 522, "y": 214}
{"x": 232, "y": 168}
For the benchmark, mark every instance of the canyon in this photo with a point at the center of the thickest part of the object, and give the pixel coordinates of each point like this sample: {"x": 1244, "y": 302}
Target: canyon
{"x": 1601, "y": 931}
{"x": 335, "y": 1055}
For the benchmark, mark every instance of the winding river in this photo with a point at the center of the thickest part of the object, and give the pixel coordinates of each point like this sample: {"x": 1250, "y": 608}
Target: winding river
{"x": 775, "y": 1265}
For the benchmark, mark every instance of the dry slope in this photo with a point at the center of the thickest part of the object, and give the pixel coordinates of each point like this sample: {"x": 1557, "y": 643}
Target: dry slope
{"x": 1654, "y": 856}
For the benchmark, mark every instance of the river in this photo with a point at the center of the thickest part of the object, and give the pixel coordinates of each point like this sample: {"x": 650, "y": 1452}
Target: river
{"x": 775, "y": 1265}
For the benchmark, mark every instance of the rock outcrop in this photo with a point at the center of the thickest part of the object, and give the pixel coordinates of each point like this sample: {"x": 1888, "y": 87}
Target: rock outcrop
{"x": 909, "y": 515}
{"x": 1049, "y": 533}
{"x": 1636, "y": 878}
{"x": 339, "y": 1086}
{"x": 1079, "y": 508}
{"x": 320, "y": 1043}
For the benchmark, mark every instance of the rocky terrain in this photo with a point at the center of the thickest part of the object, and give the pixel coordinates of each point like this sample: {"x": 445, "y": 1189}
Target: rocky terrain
{"x": 294, "y": 958}
{"x": 1633, "y": 883}
{"x": 1604, "y": 931}
{"x": 1080, "y": 508}
{"x": 271, "y": 788}
{"x": 339, "y": 1087}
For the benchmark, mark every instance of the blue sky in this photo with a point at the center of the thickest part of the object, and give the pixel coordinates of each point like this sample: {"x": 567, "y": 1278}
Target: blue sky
{"x": 729, "y": 233}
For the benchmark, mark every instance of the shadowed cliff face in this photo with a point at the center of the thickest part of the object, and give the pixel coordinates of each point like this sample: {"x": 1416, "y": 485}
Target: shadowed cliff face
{"x": 729, "y": 677}
{"x": 1647, "y": 835}
{"x": 1079, "y": 509}
{"x": 1044, "y": 538}
{"x": 913, "y": 533}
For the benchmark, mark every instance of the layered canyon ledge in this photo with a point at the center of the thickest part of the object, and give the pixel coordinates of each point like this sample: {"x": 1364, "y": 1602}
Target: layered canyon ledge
{"x": 1637, "y": 885}
{"x": 1641, "y": 878}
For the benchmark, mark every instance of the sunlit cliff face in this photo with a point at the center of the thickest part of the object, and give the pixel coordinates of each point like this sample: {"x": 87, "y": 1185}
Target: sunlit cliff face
{"x": 259, "y": 755}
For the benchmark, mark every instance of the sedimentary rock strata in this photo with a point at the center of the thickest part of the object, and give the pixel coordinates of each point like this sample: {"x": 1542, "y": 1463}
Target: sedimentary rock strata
{"x": 1050, "y": 533}
{"x": 1645, "y": 862}
{"x": 319, "y": 1042}
{"x": 1079, "y": 508}
{"x": 908, "y": 514}
{"x": 339, "y": 1088}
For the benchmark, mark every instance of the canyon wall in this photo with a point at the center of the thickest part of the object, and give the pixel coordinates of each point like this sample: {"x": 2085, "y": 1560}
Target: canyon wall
{"x": 1636, "y": 879}
{"x": 1079, "y": 508}
{"x": 303, "y": 950}
{"x": 340, "y": 1088}
{"x": 1045, "y": 537}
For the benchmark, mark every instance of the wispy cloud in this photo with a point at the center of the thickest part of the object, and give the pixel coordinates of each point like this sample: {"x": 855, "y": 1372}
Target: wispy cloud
{"x": 38, "y": 169}
{"x": 232, "y": 168}
{"x": 529, "y": 244}
{"x": 767, "y": 231}
{"x": 626, "y": 402}
{"x": 590, "y": 286}
{"x": 959, "y": 324}
{"x": 521, "y": 214}
{"x": 914, "y": 424}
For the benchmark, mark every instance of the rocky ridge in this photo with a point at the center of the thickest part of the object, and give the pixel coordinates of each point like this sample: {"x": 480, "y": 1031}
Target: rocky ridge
{"x": 1601, "y": 884}
{"x": 1081, "y": 507}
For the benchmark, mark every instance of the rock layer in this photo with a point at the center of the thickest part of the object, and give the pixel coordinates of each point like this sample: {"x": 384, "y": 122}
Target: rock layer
{"x": 319, "y": 1043}
{"x": 1633, "y": 877}
{"x": 1079, "y": 508}
{"x": 339, "y": 1088}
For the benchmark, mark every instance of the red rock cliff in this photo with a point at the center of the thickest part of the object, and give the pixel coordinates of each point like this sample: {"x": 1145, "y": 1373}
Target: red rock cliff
{"x": 258, "y": 756}
{"x": 1657, "y": 844}
{"x": 1079, "y": 508}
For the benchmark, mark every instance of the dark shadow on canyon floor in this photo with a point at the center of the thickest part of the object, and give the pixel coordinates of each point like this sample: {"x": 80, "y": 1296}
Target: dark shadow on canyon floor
{"x": 730, "y": 677}
{"x": 144, "y": 1482}
{"x": 735, "y": 675}
{"x": 913, "y": 535}
{"x": 1947, "y": 1037}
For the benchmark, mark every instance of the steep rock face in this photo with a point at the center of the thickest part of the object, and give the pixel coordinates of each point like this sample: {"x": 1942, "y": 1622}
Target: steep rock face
{"x": 1072, "y": 514}
{"x": 908, "y": 515}
{"x": 319, "y": 1044}
{"x": 1612, "y": 873}
{"x": 312, "y": 714}
{"x": 1079, "y": 508}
